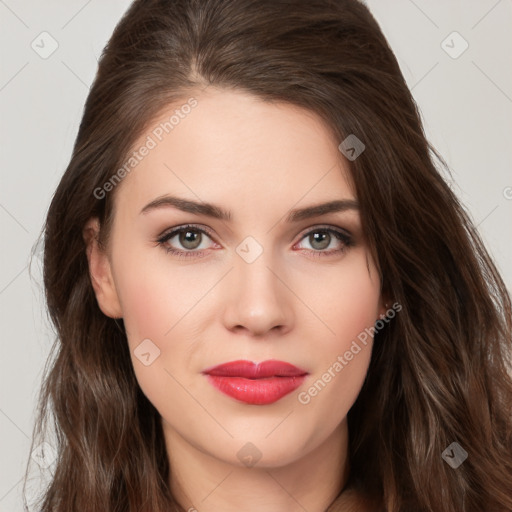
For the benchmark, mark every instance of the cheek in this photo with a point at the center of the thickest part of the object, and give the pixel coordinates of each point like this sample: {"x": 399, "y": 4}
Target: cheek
{"x": 154, "y": 296}
{"x": 159, "y": 304}
{"x": 145, "y": 310}
{"x": 347, "y": 302}
{"x": 151, "y": 309}
{"x": 348, "y": 307}
{"x": 354, "y": 321}
{"x": 358, "y": 308}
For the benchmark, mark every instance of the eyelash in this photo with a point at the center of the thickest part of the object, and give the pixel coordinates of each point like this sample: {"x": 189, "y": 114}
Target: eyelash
{"x": 342, "y": 236}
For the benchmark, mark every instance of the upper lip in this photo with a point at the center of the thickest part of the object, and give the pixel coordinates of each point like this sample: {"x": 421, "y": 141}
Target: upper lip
{"x": 251, "y": 370}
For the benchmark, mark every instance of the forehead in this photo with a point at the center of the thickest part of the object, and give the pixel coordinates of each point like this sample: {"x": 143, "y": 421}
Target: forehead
{"x": 235, "y": 149}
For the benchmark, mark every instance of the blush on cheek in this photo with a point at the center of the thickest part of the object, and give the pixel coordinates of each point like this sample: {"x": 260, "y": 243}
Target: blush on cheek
{"x": 152, "y": 301}
{"x": 351, "y": 315}
{"x": 143, "y": 314}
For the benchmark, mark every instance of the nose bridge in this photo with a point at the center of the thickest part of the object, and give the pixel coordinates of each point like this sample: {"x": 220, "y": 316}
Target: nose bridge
{"x": 256, "y": 297}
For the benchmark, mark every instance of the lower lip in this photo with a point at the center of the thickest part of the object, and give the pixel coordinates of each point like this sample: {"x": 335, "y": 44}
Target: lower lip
{"x": 256, "y": 391}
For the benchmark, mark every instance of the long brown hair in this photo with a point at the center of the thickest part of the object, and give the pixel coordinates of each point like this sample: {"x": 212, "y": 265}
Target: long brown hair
{"x": 440, "y": 371}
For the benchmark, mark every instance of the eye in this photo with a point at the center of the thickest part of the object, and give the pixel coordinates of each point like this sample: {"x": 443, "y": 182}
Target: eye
{"x": 322, "y": 238}
{"x": 189, "y": 237}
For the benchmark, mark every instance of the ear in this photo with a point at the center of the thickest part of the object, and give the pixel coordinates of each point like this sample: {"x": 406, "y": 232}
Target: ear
{"x": 384, "y": 305}
{"x": 100, "y": 271}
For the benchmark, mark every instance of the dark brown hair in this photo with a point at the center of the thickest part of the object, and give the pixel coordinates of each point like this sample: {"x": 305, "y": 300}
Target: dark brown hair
{"x": 440, "y": 371}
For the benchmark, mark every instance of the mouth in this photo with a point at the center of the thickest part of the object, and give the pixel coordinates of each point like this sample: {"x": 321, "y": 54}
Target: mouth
{"x": 256, "y": 384}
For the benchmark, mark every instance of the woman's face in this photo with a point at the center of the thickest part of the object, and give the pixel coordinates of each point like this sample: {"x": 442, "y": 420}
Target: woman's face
{"x": 277, "y": 280}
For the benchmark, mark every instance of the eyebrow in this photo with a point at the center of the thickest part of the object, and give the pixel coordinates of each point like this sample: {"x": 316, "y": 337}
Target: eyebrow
{"x": 216, "y": 212}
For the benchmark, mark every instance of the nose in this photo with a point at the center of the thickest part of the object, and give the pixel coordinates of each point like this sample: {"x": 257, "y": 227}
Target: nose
{"x": 257, "y": 299}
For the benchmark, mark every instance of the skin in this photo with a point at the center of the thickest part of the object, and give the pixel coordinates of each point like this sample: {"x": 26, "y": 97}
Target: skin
{"x": 258, "y": 160}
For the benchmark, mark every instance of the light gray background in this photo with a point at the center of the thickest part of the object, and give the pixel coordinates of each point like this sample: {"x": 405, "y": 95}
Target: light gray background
{"x": 466, "y": 105}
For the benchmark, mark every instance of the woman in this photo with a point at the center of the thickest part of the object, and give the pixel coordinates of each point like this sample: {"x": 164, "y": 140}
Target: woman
{"x": 266, "y": 296}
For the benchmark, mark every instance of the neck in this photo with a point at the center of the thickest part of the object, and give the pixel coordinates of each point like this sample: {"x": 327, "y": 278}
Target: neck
{"x": 203, "y": 483}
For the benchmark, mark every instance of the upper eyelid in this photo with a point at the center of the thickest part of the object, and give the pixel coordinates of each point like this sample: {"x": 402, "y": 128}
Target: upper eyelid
{"x": 183, "y": 227}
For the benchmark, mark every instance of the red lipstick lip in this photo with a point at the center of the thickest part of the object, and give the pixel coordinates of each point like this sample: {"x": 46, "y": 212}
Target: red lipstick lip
{"x": 250, "y": 370}
{"x": 256, "y": 384}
